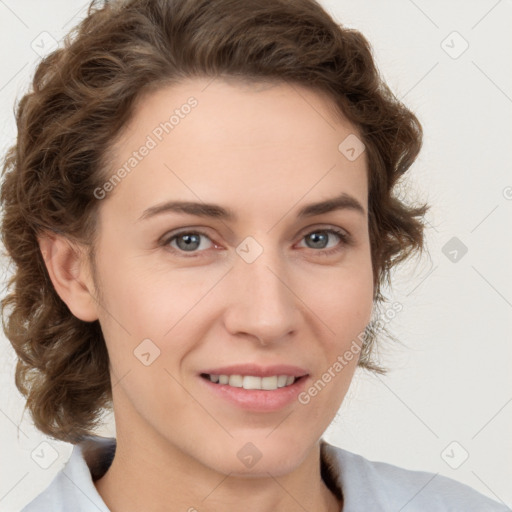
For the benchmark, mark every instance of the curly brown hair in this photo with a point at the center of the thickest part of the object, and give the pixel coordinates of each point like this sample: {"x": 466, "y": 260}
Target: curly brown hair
{"x": 84, "y": 93}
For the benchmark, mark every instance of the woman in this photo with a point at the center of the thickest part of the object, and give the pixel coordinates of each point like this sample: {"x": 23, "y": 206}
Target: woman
{"x": 200, "y": 207}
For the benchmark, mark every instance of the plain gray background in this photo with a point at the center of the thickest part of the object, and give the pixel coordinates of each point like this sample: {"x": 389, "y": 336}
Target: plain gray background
{"x": 449, "y": 395}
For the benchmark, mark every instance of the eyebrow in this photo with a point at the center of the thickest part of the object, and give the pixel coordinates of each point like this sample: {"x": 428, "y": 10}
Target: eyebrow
{"x": 341, "y": 202}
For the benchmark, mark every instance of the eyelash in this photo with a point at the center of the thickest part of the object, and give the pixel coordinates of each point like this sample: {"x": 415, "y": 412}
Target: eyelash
{"x": 346, "y": 240}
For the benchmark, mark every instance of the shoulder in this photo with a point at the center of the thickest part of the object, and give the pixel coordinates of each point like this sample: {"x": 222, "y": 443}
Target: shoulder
{"x": 385, "y": 487}
{"x": 73, "y": 487}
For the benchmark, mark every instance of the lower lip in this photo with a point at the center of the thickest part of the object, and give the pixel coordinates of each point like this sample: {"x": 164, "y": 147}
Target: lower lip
{"x": 258, "y": 400}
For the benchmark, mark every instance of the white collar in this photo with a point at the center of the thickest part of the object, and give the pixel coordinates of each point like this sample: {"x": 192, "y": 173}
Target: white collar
{"x": 366, "y": 485}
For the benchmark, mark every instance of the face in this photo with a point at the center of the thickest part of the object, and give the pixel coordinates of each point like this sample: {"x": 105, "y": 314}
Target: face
{"x": 248, "y": 287}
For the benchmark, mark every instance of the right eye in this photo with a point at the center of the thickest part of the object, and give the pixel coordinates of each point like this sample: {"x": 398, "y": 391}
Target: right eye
{"x": 185, "y": 242}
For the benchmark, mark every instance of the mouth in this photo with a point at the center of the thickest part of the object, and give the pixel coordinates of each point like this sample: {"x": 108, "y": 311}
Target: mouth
{"x": 268, "y": 383}
{"x": 254, "y": 387}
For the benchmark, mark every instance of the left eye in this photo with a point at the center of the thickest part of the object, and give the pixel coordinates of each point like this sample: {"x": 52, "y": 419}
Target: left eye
{"x": 190, "y": 241}
{"x": 320, "y": 236}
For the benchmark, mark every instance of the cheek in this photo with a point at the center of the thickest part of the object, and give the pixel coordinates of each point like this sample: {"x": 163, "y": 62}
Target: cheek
{"x": 355, "y": 304}
{"x": 144, "y": 299}
{"x": 342, "y": 300}
{"x": 166, "y": 308}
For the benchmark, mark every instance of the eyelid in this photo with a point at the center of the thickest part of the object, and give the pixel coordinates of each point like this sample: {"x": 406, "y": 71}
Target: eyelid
{"x": 303, "y": 231}
{"x": 169, "y": 236}
{"x": 346, "y": 238}
{"x": 322, "y": 227}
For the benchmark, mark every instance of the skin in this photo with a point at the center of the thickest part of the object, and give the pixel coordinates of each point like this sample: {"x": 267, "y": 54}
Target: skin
{"x": 263, "y": 152}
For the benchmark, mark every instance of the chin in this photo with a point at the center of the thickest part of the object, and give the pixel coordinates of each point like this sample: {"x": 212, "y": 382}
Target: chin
{"x": 258, "y": 458}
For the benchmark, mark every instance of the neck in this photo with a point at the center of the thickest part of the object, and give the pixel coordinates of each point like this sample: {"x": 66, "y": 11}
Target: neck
{"x": 157, "y": 477}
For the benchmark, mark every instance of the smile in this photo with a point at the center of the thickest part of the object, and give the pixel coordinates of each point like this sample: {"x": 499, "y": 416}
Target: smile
{"x": 269, "y": 383}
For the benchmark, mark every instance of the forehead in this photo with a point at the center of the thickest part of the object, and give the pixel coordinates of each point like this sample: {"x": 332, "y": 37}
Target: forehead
{"x": 229, "y": 141}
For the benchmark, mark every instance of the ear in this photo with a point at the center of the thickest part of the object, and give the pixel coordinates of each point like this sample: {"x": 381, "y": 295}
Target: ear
{"x": 69, "y": 272}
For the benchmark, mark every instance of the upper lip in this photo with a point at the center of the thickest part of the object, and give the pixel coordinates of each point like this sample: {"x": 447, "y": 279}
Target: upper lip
{"x": 257, "y": 370}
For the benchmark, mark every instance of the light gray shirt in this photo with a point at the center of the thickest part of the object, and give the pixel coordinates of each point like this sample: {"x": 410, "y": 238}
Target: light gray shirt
{"x": 366, "y": 486}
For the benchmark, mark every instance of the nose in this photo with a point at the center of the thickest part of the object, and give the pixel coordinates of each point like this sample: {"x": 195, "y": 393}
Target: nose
{"x": 262, "y": 305}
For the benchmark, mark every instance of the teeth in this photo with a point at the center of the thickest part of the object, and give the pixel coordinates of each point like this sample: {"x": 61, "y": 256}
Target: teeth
{"x": 253, "y": 382}
{"x": 269, "y": 382}
{"x": 236, "y": 381}
{"x": 250, "y": 382}
{"x": 282, "y": 380}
